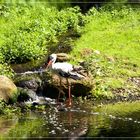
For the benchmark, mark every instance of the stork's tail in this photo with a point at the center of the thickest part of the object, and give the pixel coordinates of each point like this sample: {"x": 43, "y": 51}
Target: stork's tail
{"x": 76, "y": 76}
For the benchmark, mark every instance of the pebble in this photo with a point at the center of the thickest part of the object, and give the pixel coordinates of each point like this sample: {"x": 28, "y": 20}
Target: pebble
{"x": 130, "y": 119}
{"x": 53, "y": 132}
{"x": 66, "y": 130}
{"x": 58, "y": 128}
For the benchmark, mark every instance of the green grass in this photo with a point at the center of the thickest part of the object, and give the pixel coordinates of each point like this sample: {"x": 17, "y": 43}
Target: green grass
{"x": 116, "y": 34}
{"x": 116, "y": 37}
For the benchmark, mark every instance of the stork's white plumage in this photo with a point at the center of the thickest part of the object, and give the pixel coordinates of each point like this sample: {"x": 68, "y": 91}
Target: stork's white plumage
{"x": 63, "y": 69}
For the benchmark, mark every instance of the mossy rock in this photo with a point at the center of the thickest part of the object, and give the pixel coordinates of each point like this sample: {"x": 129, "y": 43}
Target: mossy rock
{"x": 29, "y": 81}
{"x": 8, "y": 90}
{"x": 26, "y": 94}
{"x": 78, "y": 88}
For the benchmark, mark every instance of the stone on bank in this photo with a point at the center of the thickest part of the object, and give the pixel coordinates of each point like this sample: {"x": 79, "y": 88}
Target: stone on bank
{"x": 8, "y": 90}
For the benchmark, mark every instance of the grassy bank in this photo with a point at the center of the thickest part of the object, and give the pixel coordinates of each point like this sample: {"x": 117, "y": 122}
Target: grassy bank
{"x": 110, "y": 48}
{"x": 107, "y": 41}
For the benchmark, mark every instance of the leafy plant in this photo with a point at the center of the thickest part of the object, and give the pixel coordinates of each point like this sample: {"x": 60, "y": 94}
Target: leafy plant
{"x": 6, "y": 70}
{"x": 29, "y": 29}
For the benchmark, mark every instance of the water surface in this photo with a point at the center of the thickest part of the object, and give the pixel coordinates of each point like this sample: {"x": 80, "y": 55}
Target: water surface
{"x": 81, "y": 121}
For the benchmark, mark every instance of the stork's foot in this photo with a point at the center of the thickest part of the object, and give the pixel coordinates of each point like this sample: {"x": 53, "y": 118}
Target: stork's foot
{"x": 69, "y": 103}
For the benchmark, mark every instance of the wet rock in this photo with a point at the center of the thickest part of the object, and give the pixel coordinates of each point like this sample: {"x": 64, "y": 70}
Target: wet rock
{"x": 26, "y": 94}
{"x": 32, "y": 83}
{"x": 40, "y": 101}
{"x": 8, "y": 90}
{"x": 78, "y": 88}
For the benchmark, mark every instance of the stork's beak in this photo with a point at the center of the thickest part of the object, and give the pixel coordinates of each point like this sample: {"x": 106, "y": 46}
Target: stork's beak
{"x": 49, "y": 63}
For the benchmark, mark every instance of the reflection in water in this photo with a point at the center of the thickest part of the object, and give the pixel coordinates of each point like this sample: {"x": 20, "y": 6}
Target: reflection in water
{"x": 5, "y": 125}
{"x": 66, "y": 124}
{"x": 120, "y": 120}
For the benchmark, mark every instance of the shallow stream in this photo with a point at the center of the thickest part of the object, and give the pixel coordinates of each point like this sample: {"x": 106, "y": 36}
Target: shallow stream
{"x": 80, "y": 121}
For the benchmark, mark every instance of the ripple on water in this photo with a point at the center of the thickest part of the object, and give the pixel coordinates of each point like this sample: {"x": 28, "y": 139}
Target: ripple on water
{"x": 96, "y": 122}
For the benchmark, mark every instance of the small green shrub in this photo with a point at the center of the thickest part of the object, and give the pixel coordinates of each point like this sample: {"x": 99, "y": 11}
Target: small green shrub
{"x": 6, "y": 70}
{"x": 28, "y": 30}
{"x": 21, "y": 47}
{"x": 9, "y": 110}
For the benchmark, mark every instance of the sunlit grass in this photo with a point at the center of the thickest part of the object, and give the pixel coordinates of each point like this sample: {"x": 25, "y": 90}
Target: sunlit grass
{"x": 122, "y": 109}
{"x": 114, "y": 36}
{"x": 119, "y": 38}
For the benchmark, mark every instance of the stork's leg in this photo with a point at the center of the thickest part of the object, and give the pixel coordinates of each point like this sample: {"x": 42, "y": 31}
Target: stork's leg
{"x": 69, "y": 93}
{"x": 59, "y": 90}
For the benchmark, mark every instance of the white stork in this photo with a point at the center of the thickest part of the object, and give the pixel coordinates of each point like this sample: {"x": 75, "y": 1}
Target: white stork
{"x": 65, "y": 70}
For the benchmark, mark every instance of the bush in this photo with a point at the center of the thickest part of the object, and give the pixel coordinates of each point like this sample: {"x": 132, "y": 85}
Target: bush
{"x": 6, "y": 70}
{"x": 28, "y": 29}
{"x": 21, "y": 47}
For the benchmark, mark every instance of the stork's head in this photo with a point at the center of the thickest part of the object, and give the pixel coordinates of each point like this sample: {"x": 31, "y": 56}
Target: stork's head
{"x": 51, "y": 59}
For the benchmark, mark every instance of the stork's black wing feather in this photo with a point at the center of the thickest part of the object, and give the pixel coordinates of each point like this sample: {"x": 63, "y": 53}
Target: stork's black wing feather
{"x": 64, "y": 74}
{"x": 70, "y": 75}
